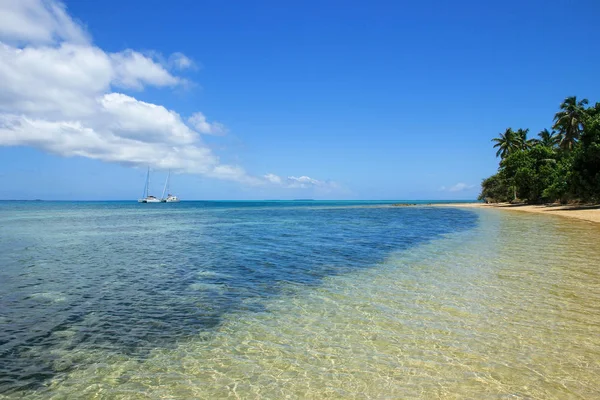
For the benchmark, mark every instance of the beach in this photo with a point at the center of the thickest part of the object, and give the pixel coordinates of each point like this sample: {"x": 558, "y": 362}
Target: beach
{"x": 585, "y": 213}
{"x": 222, "y": 209}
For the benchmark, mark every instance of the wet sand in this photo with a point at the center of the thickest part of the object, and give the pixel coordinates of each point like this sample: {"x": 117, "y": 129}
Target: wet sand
{"x": 586, "y": 213}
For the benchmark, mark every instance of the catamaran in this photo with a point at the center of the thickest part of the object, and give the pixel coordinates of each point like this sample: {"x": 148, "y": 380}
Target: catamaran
{"x": 170, "y": 197}
{"x": 148, "y": 198}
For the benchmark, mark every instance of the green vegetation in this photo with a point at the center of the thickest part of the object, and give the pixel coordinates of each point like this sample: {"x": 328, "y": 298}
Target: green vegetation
{"x": 559, "y": 165}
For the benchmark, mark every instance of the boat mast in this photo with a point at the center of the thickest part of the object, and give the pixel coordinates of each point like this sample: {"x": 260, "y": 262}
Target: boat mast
{"x": 147, "y": 188}
{"x": 166, "y": 185}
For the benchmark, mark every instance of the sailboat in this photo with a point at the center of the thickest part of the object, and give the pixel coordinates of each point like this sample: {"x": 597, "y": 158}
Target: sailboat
{"x": 170, "y": 197}
{"x": 148, "y": 198}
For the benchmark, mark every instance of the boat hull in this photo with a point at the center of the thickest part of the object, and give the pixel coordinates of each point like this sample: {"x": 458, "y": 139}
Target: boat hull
{"x": 170, "y": 199}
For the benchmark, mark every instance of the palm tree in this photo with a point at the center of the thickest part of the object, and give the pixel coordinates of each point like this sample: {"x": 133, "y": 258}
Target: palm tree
{"x": 510, "y": 142}
{"x": 568, "y": 121}
{"x": 547, "y": 139}
{"x": 522, "y": 141}
{"x": 507, "y": 143}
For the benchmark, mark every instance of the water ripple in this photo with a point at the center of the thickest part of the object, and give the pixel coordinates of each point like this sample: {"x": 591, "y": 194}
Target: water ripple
{"x": 125, "y": 279}
{"x": 319, "y": 303}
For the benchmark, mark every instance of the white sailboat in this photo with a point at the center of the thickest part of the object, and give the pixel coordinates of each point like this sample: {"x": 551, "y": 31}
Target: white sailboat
{"x": 148, "y": 198}
{"x": 170, "y": 197}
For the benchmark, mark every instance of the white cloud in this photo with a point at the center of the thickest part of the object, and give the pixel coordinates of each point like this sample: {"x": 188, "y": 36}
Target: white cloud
{"x": 66, "y": 79}
{"x": 57, "y": 94}
{"x": 301, "y": 182}
{"x": 306, "y": 182}
{"x": 136, "y": 119}
{"x": 272, "y": 178}
{"x": 73, "y": 138}
{"x": 38, "y": 22}
{"x": 134, "y": 70}
{"x": 459, "y": 187}
{"x": 181, "y": 61}
{"x": 199, "y": 122}
{"x": 52, "y": 81}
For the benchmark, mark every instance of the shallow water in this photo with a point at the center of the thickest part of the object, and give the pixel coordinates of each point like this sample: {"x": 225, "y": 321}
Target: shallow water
{"x": 298, "y": 300}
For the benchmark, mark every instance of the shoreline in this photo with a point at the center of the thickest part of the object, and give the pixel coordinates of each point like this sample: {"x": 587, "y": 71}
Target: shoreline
{"x": 584, "y": 213}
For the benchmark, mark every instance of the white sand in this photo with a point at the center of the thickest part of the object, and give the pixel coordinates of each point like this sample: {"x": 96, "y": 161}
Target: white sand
{"x": 587, "y": 213}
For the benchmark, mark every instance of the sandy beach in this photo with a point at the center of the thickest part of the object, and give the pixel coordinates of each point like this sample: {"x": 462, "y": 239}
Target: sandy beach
{"x": 586, "y": 213}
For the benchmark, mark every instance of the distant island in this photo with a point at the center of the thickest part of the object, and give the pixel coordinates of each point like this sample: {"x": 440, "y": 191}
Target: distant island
{"x": 22, "y": 200}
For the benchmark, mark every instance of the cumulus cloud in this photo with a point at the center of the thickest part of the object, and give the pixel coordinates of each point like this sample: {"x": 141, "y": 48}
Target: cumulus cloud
{"x": 134, "y": 70}
{"x": 134, "y": 119}
{"x": 38, "y": 22}
{"x": 272, "y": 178}
{"x": 58, "y": 93}
{"x": 53, "y": 81}
{"x": 65, "y": 80}
{"x": 199, "y": 122}
{"x": 301, "y": 182}
{"x": 459, "y": 187}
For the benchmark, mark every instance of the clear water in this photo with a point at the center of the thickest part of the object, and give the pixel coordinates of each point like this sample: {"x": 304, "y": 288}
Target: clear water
{"x": 295, "y": 299}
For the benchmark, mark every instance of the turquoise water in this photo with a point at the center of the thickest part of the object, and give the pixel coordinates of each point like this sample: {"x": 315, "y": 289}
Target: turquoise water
{"x": 295, "y": 299}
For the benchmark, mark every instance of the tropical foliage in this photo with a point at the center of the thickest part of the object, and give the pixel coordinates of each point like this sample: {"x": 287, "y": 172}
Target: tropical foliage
{"x": 559, "y": 165}
{"x": 509, "y": 142}
{"x": 546, "y": 139}
{"x": 569, "y": 121}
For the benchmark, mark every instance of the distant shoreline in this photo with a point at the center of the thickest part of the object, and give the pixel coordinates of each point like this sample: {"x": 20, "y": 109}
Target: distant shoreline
{"x": 589, "y": 213}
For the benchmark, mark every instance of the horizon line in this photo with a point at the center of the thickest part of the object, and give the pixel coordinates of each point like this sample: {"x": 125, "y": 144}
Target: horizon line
{"x": 296, "y": 200}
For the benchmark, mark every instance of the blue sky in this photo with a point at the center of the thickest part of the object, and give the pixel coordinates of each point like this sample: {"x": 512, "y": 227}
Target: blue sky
{"x": 311, "y": 99}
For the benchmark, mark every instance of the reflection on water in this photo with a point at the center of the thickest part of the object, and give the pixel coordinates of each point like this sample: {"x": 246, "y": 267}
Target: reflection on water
{"x": 509, "y": 308}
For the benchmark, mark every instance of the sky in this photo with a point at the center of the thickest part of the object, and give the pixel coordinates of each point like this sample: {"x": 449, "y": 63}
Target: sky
{"x": 279, "y": 99}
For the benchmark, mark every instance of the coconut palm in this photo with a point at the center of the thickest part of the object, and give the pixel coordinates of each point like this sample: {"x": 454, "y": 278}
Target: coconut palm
{"x": 568, "y": 121}
{"x": 522, "y": 141}
{"x": 548, "y": 139}
{"x": 510, "y": 141}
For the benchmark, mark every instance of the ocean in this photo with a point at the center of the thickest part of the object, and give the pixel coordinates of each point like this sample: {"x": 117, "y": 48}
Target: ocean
{"x": 295, "y": 299}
